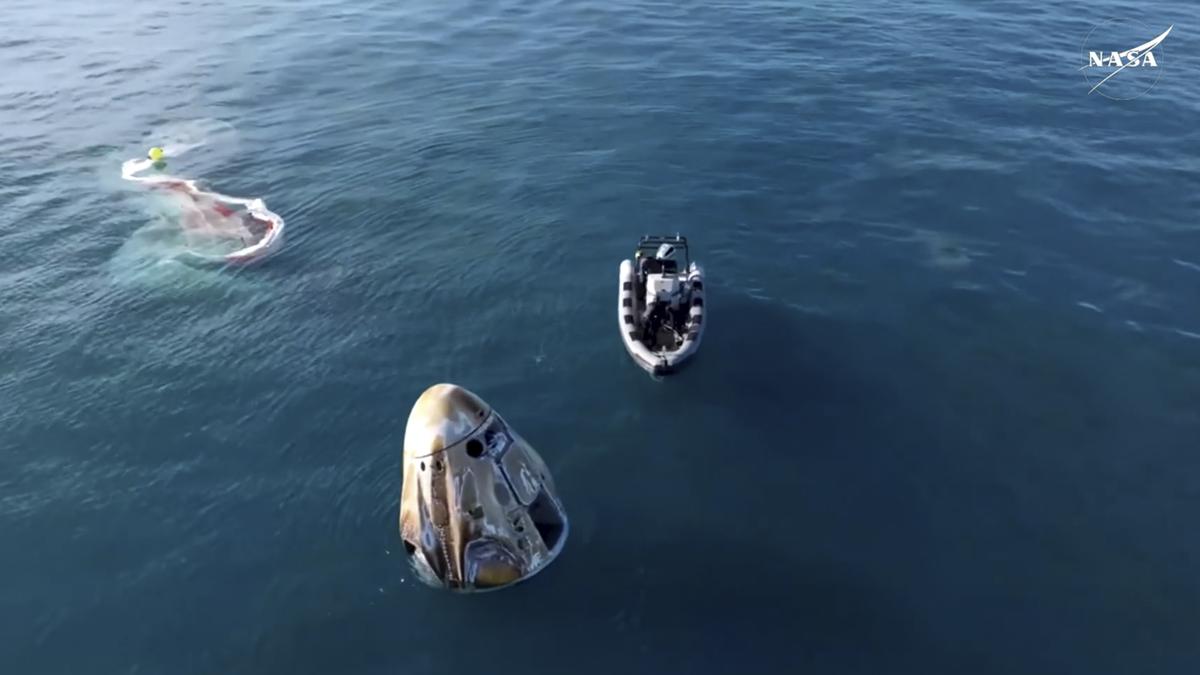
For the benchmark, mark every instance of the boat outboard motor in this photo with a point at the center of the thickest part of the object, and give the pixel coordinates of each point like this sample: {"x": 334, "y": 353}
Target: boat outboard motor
{"x": 478, "y": 508}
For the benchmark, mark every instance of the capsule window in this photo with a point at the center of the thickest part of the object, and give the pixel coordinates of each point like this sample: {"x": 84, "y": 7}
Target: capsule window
{"x": 627, "y": 302}
{"x": 496, "y": 439}
{"x": 697, "y": 302}
{"x": 475, "y": 448}
{"x": 628, "y": 319}
{"x": 627, "y": 286}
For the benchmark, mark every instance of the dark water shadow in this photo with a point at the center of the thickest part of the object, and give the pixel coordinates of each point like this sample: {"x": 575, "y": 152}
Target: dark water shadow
{"x": 720, "y": 558}
{"x": 817, "y": 493}
{"x": 631, "y": 602}
{"x": 803, "y": 379}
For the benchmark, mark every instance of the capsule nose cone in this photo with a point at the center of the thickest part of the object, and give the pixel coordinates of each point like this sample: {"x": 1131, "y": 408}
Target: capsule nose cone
{"x": 444, "y": 415}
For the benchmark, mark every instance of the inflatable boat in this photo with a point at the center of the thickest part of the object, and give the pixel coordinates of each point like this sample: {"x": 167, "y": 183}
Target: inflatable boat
{"x": 660, "y": 304}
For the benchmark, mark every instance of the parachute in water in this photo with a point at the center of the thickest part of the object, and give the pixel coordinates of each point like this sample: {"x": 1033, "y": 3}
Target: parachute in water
{"x": 216, "y": 228}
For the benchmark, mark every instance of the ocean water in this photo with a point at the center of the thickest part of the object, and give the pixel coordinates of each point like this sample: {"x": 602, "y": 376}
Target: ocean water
{"x": 945, "y": 418}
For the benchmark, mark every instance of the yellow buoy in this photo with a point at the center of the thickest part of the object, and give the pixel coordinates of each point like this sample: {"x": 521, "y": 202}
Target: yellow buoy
{"x": 156, "y": 153}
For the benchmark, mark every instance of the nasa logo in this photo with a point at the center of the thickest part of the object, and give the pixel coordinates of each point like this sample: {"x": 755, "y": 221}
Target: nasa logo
{"x": 1108, "y": 70}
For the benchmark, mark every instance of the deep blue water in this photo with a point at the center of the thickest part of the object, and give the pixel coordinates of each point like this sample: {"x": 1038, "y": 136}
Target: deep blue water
{"x": 944, "y": 420}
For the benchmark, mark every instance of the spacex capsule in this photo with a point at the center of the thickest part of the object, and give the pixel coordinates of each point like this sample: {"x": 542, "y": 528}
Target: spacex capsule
{"x": 478, "y": 508}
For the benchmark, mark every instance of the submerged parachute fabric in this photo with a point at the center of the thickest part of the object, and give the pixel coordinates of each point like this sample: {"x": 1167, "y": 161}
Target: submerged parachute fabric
{"x": 218, "y": 229}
